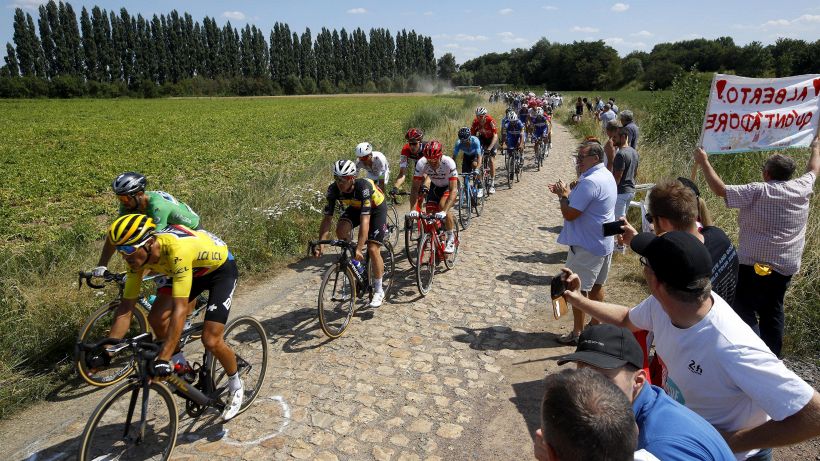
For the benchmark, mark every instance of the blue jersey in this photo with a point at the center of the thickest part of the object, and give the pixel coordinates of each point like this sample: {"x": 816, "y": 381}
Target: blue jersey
{"x": 541, "y": 124}
{"x": 473, "y": 151}
{"x": 523, "y": 114}
{"x": 514, "y": 130}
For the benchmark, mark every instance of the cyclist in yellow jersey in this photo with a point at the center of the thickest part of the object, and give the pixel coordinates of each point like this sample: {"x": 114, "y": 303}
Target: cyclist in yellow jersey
{"x": 196, "y": 260}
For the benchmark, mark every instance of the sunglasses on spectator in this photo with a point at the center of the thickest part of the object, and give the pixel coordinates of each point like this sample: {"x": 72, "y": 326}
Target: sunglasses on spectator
{"x": 128, "y": 250}
{"x": 644, "y": 262}
{"x": 648, "y": 217}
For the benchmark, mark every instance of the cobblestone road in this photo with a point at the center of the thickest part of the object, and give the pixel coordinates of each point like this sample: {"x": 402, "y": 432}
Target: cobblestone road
{"x": 451, "y": 376}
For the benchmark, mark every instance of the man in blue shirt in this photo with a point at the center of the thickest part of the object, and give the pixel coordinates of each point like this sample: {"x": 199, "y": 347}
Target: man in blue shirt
{"x": 666, "y": 428}
{"x": 585, "y": 209}
{"x": 471, "y": 146}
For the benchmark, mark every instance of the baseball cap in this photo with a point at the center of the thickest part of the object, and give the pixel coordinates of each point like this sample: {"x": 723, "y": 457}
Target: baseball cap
{"x": 606, "y": 346}
{"x": 677, "y": 258}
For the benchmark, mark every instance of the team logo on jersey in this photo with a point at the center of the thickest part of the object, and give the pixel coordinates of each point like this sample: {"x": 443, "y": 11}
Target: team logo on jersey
{"x": 695, "y": 368}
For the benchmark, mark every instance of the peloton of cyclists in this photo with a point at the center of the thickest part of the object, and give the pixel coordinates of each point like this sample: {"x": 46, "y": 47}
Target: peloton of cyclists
{"x": 484, "y": 128}
{"x": 374, "y": 163}
{"x": 443, "y": 190}
{"x": 367, "y": 209}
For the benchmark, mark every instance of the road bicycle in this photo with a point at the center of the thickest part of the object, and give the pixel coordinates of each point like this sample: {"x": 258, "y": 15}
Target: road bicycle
{"x": 345, "y": 286}
{"x": 98, "y": 326}
{"x": 541, "y": 151}
{"x": 138, "y": 419}
{"x": 412, "y": 232}
{"x": 485, "y": 168}
{"x": 431, "y": 249}
{"x": 470, "y": 198}
{"x": 514, "y": 164}
{"x": 393, "y": 216}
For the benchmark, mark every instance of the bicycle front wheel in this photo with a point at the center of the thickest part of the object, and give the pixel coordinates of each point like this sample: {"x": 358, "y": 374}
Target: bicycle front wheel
{"x": 388, "y": 259}
{"x": 450, "y": 259}
{"x": 478, "y": 200}
{"x": 393, "y": 225}
{"x": 464, "y": 207}
{"x": 509, "y": 165}
{"x": 337, "y": 295}
{"x": 246, "y": 337}
{"x": 412, "y": 230}
{"x": 98, "y": 327}
{"x": 426, "y": 264}
{"x": 114, "y": 429}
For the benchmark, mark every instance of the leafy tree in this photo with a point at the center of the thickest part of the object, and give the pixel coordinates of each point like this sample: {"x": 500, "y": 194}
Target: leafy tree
{"x": 12, "y": 68}
{"x": 754, "y": 61}
{"x": 446, "y": 66}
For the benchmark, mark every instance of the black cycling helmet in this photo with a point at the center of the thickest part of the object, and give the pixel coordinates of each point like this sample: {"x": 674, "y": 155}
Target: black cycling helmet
{"x": 129, "y": 183}
{"x": 463, "y": 133}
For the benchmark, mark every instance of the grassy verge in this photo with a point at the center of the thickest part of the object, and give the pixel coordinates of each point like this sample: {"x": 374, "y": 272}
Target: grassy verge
{"x": 670, "y": 125}
{"x": 254, "y": 169}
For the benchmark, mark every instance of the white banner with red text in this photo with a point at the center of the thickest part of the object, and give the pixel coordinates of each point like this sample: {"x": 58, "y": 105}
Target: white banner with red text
{"x": 752, "y": 114}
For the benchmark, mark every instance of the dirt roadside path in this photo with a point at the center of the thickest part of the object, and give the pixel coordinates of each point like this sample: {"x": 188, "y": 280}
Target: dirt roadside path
{"x": 452, "y": 376}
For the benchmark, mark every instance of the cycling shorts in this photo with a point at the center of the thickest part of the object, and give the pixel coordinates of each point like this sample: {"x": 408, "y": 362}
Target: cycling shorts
{"x": 512, "y": 141}
{"x": 467, "y": 164}
{"x": 220, "y": 284}
{"x": 436, "y": 193}
{"x": 378, "y": 221}
{"x": 541, "y": 131}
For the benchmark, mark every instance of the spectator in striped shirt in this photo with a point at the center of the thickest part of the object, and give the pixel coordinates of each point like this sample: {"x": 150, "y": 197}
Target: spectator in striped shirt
{"x": 772, "y": 234}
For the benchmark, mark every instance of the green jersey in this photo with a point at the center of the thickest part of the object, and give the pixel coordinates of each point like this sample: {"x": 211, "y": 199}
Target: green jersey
{"x": 165, "y": 210}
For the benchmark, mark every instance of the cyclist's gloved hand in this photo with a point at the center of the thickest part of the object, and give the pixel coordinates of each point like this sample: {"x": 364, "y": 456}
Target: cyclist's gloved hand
{"x": 161, "y": 368}
{"x": 441, "y": 214}
{"x": 413, "y": 214}
{"x": 99, "y": 271}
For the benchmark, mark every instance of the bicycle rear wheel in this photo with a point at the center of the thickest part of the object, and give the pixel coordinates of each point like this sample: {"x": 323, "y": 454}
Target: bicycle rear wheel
{"x": 509, "y": 165}
{"x": 393, "y": 225}
{"x": 113, "y": 430}
{"x": 337, "y": 295}
{"x": 519, "y": 166}
{"x": 478, "y": 201}
{"x": 426, "y": 264}
{"x": 411, "y": 239}
{"x": 246, "y": 337}
{"x": 98, "y": 327}
{"x": 450, "y": 259}
{"x": 388, "y": 258}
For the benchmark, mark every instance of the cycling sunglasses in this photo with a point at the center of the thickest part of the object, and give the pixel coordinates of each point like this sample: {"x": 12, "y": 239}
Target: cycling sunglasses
{"x": 128, "y": 250}
{"x": 344, "y": 178}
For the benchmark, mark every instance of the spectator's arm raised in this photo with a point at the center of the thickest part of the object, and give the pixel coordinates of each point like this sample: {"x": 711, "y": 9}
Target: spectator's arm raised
{"x": 712, "y": 178}
{"x": 814, "y": 161}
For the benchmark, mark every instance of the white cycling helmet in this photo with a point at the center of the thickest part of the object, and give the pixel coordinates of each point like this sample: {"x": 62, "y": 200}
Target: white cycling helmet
{"x": 363, "y": 149}
{"x": 539, "y": 111}
{"x": 513, "y": 117}
{"x": 481, "y": 111}
{"x": 344, "y": 168}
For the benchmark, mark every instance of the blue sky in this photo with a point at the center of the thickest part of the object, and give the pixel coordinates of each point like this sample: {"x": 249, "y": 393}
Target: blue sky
{"x": 471, "y": 28}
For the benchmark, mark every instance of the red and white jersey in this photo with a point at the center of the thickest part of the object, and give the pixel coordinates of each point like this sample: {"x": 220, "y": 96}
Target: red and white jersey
{"x": 440, "y": 176}
{"x": 485, "y": 130}
{"x": 407, "y": 154}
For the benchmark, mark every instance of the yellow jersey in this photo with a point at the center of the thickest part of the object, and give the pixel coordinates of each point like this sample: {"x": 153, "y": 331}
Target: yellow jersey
{"x": 184, "y": 254}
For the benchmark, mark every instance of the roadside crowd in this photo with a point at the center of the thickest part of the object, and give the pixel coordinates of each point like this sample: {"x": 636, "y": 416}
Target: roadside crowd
{"x": 713, "y": 387}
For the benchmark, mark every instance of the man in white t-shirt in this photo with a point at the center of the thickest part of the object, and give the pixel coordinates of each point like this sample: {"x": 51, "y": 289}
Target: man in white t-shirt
{"x": 722, "y": 369}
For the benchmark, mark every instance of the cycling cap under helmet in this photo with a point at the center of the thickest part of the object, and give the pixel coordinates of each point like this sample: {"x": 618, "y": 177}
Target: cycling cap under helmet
{"x": 433, "y": 150}
{"x": 363, "y": 149}
{"x": 481, "y": 111}
{"x": 131, "y": 229}
{"x": 463, "y": 133}
{"x": 129, "y": 183}
{"x": 344, "y": 168}
{"x": 414, "y": 134}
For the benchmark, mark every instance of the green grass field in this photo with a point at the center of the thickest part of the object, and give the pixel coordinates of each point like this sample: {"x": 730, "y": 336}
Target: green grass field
{"x": 255, "y": 169}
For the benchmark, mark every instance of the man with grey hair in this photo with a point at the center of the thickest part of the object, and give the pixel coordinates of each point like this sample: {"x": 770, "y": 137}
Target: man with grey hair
{"x": 628, "y": 121}
{"x": 606, "y": 116}
{"x": 585, "y": 209}
{"x": 772, "y": 221}
{"x": 724, "y": 372}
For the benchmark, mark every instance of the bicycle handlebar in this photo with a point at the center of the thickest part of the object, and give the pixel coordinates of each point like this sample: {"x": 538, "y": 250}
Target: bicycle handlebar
{"x": 143, "y": 340}
{"x": 107, "y": 277}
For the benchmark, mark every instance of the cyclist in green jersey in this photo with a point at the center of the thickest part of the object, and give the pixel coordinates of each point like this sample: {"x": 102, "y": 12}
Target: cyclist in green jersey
{"x": 160, "y": 206}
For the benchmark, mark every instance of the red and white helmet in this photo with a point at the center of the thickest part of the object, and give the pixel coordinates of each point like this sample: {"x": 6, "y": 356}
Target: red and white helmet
{"x": 414, "y": 134}
{"x": 433, "y": 150}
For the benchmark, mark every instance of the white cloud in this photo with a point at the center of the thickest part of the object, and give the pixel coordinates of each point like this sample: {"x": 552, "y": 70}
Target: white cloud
{"x": 505, "y": 11}
{"x": 808, "y": 18}
{"x": 585, "y": 29}
{"x": 549, "y": 8}
{"x": 26, "y": 4}
{"x": 470, "y": 38}
{"x": 620, "y": 7}
{"x": 776, "y": 22}
{"x": 643, "y": 33}
{"x": 428, "y": 13}
{"x": 510, "y": 39}
{"x": 613, "y": 41}
{"x": 235, "y": 15}
{"x": 357, "y": 11}
{"x": 456, "y": 46}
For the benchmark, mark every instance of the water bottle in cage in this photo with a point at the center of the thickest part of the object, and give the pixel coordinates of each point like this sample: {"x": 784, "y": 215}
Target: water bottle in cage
{"x": 358, "y": 269}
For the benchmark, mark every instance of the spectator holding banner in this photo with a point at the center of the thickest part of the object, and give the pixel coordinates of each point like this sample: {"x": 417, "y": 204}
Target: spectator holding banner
{"x": 772, "y": 234}
{"x": 725, "y": 373}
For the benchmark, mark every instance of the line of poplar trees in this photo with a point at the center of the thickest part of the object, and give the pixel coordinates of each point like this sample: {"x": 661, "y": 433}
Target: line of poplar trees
{"x": 110, "y": 54}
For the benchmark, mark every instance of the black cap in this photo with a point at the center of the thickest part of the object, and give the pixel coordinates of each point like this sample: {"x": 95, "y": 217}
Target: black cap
{"x": 606, "y": 346}
{"x": 688, "y": 183}
{"x": 677, "y": 258}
